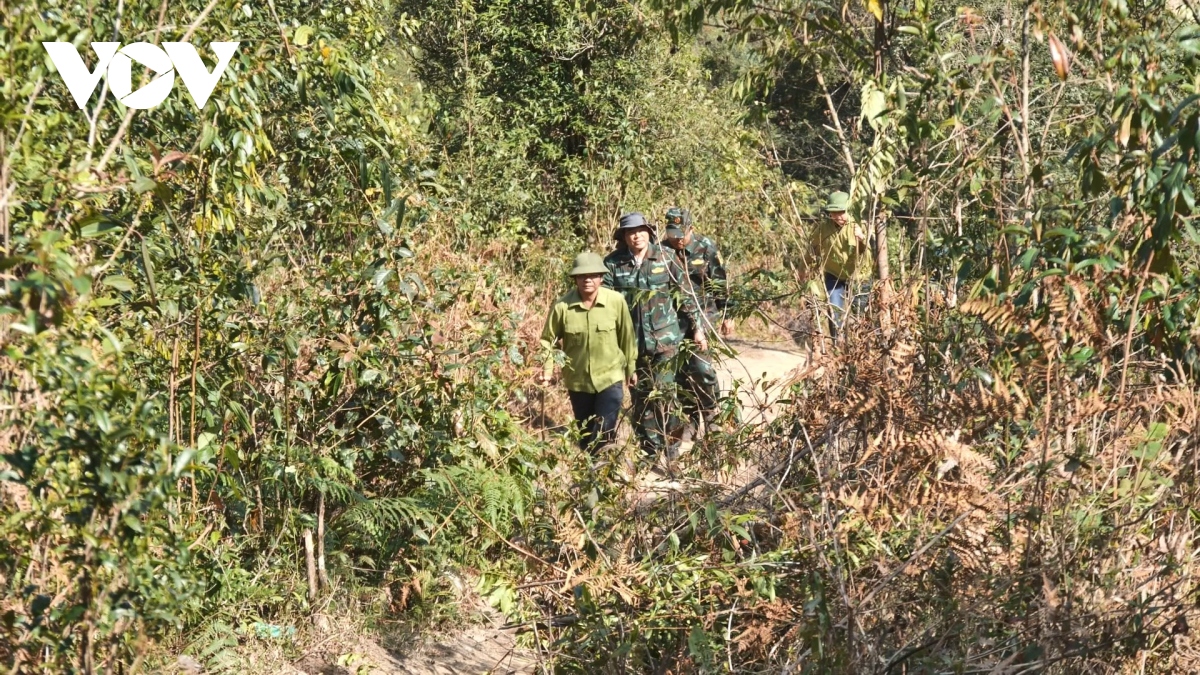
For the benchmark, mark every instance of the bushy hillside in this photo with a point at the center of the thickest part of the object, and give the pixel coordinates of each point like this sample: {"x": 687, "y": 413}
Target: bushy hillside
{"x": 268, "y": 365}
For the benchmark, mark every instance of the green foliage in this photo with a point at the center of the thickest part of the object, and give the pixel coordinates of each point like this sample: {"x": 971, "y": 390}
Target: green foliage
{"x": 555, "y": 123}
{"x": 227, "y": 304}
{"x": 96, "y": 478}
{"x": 302, "y": 309}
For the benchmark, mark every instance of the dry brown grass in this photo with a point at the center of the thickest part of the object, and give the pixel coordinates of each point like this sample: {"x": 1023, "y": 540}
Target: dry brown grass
{"x": 1014, "y": 522}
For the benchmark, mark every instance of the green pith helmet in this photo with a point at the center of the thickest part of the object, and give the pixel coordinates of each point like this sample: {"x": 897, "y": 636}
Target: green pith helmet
{"x": 838, "y": 201}
{"x": 679, "y": 221}
{"x": 632, "y": 221}
{"x": 588, "y": 263}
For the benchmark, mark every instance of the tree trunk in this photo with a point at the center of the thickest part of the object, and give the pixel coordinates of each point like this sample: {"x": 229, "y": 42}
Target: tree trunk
{"x": 879, "y": 221}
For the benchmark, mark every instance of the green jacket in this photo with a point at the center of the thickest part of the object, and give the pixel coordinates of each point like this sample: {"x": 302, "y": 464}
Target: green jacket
{"x": 658, "y": 292}
{"x": 838, "y": 252}
{"x": 599, "y": 342}
{"x": 702, "y": 261}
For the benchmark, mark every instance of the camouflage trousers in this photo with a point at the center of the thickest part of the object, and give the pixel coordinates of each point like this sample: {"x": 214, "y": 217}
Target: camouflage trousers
{"x": 655, "y": 404}
{"x": 698, "y": 377}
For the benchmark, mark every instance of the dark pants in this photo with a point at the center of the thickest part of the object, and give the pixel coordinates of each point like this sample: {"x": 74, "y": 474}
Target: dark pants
{"x": 597, "y": 415}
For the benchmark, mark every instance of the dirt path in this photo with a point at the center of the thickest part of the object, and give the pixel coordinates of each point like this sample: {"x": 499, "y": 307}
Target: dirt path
{"x": 481, "y": 649}
{"x": 760, "y": 371}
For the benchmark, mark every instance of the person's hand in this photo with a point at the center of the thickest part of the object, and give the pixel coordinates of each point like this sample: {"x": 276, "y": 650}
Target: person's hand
{"x": 858, "y": 233}
{"x": 632, "y": 380}
{"x": 543, "y": 379}
{"x": 701, "y": 340}
{"x": 727, "y": 327}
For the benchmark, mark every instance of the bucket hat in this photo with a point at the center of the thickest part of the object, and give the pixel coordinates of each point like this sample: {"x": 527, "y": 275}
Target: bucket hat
{"x": 632, "y": 221}
{"x": 588, "y": 263}
{"x": 838, "y": 201}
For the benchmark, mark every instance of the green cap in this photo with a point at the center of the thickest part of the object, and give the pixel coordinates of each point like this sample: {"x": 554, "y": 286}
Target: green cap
{"x": 838, "y": 201}
{"x": 678, "y": 222}
{"x": 588, "y": 263}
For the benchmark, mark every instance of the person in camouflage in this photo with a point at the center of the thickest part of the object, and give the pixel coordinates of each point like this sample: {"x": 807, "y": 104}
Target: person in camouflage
{"x": 658, "y": 292}
{"x": 699, "y": 256}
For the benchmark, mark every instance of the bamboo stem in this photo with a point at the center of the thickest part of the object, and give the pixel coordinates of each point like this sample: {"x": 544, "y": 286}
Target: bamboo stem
{"x": 322, "y": 576}
{"x": 311, "y": 565}
{"x": 195, "y": 367}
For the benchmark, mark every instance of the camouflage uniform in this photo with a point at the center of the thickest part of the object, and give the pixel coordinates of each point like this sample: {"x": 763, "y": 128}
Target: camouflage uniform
{"x": 707, "y": 273}
{"x": 654, "y": 290}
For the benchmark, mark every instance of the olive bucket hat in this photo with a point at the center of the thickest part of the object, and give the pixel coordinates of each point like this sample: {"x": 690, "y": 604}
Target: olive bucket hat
{"x": 678, "y": 222}
{"x": 588, "y": 263}
{"x": 838, "y": 201}
{"x": 632, "y": 221}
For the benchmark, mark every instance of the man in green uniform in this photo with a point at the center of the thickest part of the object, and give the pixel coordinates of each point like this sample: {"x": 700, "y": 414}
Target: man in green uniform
{"x": 657, "y": 291}
{"x": 698, "y": 255}
{"x": 593, "y": 326}
{"x": 840, "y": 247}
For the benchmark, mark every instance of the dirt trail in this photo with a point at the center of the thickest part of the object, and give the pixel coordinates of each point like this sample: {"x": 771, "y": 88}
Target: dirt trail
{"x": 481, "y": 649}
{"x": 760, "y": 370}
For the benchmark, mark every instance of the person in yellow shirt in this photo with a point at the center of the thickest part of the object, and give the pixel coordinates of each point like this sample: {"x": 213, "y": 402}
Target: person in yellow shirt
{"x": 842, "y": 253}
{"x": 592, "y": 326}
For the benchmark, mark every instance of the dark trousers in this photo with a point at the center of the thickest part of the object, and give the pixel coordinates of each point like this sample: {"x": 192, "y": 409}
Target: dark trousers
{"x": 597, "y": 415}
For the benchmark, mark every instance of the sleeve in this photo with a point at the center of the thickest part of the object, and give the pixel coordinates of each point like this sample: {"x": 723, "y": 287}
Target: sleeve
{"x": 868, "y": 247}
{"x": 551, "y": 332}
{"x": 810, "y": 261}
{"x": 608, "y": 276}
{"x": 688, "y": 306}
{"x": 718, "y": 278}
{"x": 626, "y": 338}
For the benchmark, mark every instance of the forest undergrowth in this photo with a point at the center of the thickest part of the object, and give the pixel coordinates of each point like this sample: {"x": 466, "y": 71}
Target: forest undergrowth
{"x": 268, "y": 368}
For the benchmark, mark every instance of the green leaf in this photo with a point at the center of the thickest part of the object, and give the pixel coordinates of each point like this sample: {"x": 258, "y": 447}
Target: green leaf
{"x": 182, "y": 461}
{"x": 1064, "y": 232}
{"x": 143, "y": 184}
{"x": 119, "y": 282}
{"x": 149, "y": 266}
{"x": 207, "y": 136}
{"x": 303, "y": 33}
{"x": 94, "y": 226}
{"x": 874, "y": 104}
{"x": 82, "y": 284}
{"x": 1157, "y": 431}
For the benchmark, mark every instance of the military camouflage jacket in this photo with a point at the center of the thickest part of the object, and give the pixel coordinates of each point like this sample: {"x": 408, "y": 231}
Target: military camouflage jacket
{"x": 657, "y": 292}
{"x": 703, "y": 264}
